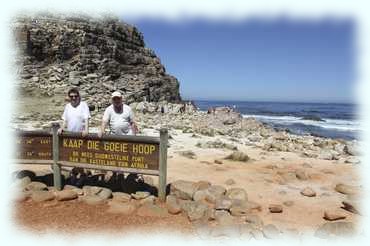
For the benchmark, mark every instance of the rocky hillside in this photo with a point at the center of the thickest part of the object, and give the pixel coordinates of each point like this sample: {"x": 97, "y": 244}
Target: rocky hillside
{"x": 99, "y": 55}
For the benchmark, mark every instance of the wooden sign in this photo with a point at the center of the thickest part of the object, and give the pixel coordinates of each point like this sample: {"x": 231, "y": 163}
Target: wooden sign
{"x": 35, "y": 146}
{"x": 133, "y": 154}
{"x": 125, "y": 153}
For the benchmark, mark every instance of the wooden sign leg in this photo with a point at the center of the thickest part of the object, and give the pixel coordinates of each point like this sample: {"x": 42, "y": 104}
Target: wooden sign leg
{"x": 162, "y": 165}
{"x": 56, "y": 168}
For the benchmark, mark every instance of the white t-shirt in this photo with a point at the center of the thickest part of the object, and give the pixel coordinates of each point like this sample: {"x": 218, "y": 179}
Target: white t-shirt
{"x": 76, "y": 116}
{"x": 119, "y": 123}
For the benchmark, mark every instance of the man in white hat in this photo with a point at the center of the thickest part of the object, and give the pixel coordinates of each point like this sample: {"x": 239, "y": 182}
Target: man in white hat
{"x": 119, "y": 117}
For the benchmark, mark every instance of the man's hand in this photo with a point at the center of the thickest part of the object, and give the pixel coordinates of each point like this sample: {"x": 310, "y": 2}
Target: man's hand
{"x": 60, "y": 130}
{"x": 134, "y": 128}
{"x": 84, "y": 133}
{"x": 100, "y": 134}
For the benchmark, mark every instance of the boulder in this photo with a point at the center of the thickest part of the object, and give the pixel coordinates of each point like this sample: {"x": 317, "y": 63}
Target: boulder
{"x": 351, "y": 206}
{"x": 241, "y": 208}
{"x": 214, "y": 192}
{"x": 254, "y": 220}
{"x": 121, "y": 197}
{"x": 42, "y": 196}
{"x": 238, "y": 156}
{"x": 183, "y": 189}
{"x": 331, "y": 216}
{"x": 172, "y": 204}
{"x": 35, "y": 186}
{"x": 223, "y": 203}
{"x": 270, "y": 231}
{"x": 346, "y": 189}
{"x": 140, "y": 195}
{"x": 230, "y": 182}
{"x": 237, "y": 194}
{"x": 275, "y": 208}
{"x": 308, "y": 192}
{"x": 66, "y": 195}
{"x": 196, "y": 211}
{"x": 93, "y": 199}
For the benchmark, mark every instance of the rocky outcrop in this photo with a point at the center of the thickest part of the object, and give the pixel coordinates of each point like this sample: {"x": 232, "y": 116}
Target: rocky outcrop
{"x": 98, "y": 55}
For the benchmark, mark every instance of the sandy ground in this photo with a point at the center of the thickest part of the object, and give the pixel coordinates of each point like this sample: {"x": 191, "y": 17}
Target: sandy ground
{"x": 265, "y": 178}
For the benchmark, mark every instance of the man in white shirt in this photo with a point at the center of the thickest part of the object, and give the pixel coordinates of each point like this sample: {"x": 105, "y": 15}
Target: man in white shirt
{"x": 119, "y": 117}
{"x": 76, "y": 114}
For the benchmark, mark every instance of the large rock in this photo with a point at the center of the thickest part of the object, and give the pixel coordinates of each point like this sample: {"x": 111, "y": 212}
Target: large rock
{"x": 331, "y": 216}
{"x": 121, "y": 197}
{"x": 66, "y": 195}
{"x": 196, "y": 211}
{"x": 237, "y": 194}
{"x": 270, "y": 231}
{"x": 35, "y": 186}
{"x": 173, "y": 206}
{"x": 308, "y": 192}
{"x": 42, "y": 196}
{"x": 241, "y": 208}
{"x": 347, "y": 189}
{"x": 96, "y": 54}
{"x": 214, "y": 192}
{"x": 238, "y": 156}
{"x": 183, "y": 189}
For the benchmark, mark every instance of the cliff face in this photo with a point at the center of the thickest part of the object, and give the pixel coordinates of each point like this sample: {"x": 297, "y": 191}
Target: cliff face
{"x": 97, "y": 55}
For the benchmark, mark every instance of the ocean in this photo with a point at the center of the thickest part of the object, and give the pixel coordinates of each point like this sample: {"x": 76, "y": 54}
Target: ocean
{"x": 331, "y": 120}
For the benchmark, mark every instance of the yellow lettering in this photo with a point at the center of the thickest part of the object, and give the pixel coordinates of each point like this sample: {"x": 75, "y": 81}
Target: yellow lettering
{"x": 93, "y": 145}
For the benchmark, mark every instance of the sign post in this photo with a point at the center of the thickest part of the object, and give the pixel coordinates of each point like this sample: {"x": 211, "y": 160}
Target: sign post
{"x": 133, "y": 154}
{"x": 162, "y": 164}
{"x": 56, "y": 168}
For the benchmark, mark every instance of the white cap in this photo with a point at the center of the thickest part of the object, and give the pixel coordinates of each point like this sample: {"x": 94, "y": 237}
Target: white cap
{"x": 116, "y": 94}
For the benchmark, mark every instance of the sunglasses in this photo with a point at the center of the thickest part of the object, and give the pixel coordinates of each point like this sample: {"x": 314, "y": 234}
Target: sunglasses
{"x": 73, "y": 96}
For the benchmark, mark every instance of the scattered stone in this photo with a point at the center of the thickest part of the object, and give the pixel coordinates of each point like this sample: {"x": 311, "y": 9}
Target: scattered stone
{"x": 217, "y": 161}
{"x": 140, "y": 195}
{"x": 223, "y": 217}
{"x": 173, "y": 206}
{"x": 257, "y": 234}
{"x": 214, "y": 192}
{"x": 35, "y": 186}
{"x": 301, "y": 175}
{"x": 308, "y": 192}
{"x": 254, "y": 220}
{"x": 230, "y": 182}
{"x": 183, "y": 189}
{"x": 91, "y": 190}
{"x": 275, "y": 208}
{"x": 237, "y": 194}
{"x": 188, "y": 154}
{"x": 352, "y": 160}
{"x": 196, "y": 211}
{"x": 270, "y": 231}
{"x": 346, "y": 189}
{"x": 223, "y": 203}
{"x": 202, "y": 185}
{"x": 238, "y": 156}
{"x": 331, "y": 216}
{"x": 42, "y": 196}
{"x": 147, "y": 200}
{"x": 121, "y": 197}
{"x": 200, "y": 195}
{"x": 93, "y": 199}
{"x": 350, "y": 206}
{"x": 241, "y": 208}
{"x": 66, "y": 195}
{"x": 288, "y": 203}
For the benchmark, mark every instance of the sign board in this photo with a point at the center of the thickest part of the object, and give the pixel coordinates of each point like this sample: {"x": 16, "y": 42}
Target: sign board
{"x": 134, "y": 154}
{"x": 140, "y": 154}
{"x": 35, "y": 146}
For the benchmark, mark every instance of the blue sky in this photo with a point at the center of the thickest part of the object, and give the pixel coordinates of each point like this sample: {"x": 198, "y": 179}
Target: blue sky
{"x": 256, "y": 59}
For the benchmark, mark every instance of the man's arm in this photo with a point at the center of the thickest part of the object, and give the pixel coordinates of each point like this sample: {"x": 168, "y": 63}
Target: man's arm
{"x": 63, "y": 127}
{"x": 102, "y": 128}
{"x": 86, "y": 130}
